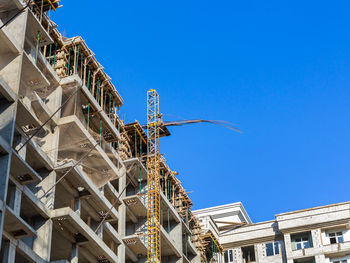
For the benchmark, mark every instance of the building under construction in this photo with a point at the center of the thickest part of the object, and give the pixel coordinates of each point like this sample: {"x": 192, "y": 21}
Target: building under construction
{"x": 80, "y": 185}
{"x": 77, "y": 183}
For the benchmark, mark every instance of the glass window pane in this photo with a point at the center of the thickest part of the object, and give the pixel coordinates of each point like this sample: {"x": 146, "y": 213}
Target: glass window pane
{"x": 269, "y": 249}
{"x": 333, "y": 240}
{"x": 231, "y": 255}
{"x": 277, "y": 249}
{"x": 298, "y": 245}
{"x": 340, "y": 239}
{"x": 339, "y": 233}
{"x": 331, "y": 234}
{"x": 306, "y": 244}
{"x": 226, "y": 256}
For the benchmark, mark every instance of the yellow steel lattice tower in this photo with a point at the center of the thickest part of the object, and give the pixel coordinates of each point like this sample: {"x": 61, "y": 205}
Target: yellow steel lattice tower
{"x": 153, "y": 180}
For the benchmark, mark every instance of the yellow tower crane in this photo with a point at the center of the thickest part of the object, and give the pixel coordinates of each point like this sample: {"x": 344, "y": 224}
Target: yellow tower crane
{"x": 154, "y": 120}
{"x": 156, "y": 128}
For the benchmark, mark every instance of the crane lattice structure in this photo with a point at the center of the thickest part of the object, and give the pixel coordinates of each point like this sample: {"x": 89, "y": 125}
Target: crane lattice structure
{"x": 154, "y": 120}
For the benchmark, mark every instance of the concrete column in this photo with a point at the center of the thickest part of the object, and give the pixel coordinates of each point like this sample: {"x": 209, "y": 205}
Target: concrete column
{"x": 42, "y": 241}
{"x": 316, "y": 238}
{"x": 18, "y": 146}
{"x": 75, "y": 253}
{"x": 9, "y": 252}
{"x": 15, "y": 199}
{"x": 100, "y": 232}
{"x": 49, "y": 180}
{"x": 5, "y": 162}
{"x": 77, "y": 205}
{"x": 122, "y": 219}
{"x": 283, "y": 251}
{"x": 237, "y": 254}
{"x": 8, "y": 118}
{"x": 287, "y": 245}
{"x": 320, "y": 259}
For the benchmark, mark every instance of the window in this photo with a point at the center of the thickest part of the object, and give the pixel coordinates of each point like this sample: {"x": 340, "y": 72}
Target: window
{"x": 301, "y": 241}
{"x": 336, "y": 237}
{"x": 272, "y": 249}
{"x": 248, "y": 254}
{"x": 228, "y": 255}
{"x": 341, "y": 261}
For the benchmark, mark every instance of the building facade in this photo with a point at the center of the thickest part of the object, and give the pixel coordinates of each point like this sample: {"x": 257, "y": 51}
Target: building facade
{"x": 73, "y": 181}
{"x": 315, "y": 235}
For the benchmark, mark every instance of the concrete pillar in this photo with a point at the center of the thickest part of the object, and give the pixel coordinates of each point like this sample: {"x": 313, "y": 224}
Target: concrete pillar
{"x": 77, "y": 205}
{"x": 100, "y": 232}
{"x": 15, "y": 199}
{"x": 49, "y": 180}
{"x": 287, "y": 245}
{"x": 18, "y": 146}
{"x": 122, "y": 220}
{"x": 5, "y": 162}
{"x": 316, "y": 238}
{"x": 75, "y": 253}
{"x": 320, "y": 259}
{"x": 8, "y": 118}
{"x": 283, "y": 251}
{"x": 43, "y": 239}
{"x": 237, "y": 255}
{"x": 9, "y": 252}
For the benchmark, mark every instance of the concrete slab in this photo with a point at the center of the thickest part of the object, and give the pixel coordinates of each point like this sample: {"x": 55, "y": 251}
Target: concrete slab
{"x": 190, "y": 248}
{"x": 6, "y": 91}
{"x": 166, "y": 204}
{"x": 136, "y": 244}
{"x": 135, "y": 171}
{"x": 104, "y": 116}
{"x": 25, "y": 116}
{"x": 34, "y": 26}
{"x": 69, "y": 221}
{"x": 23, "y": 249}
{"x": 136, "y": 205}
{"x": 16, "y": 225}
{"x": 7, "y": 5}
{"x": 42, "y": 111}
{"x": 185, "y": 259}
{"x": 7, "y": 43}
{"x": 111, "y": 193}
{"x": 38, "y": 206}
{"x": 5, "y": 148}
{"x": 75, "y": 135}
{"x": 32, "y": 75}
{"x": 130, "y": 255}
{"x": 78, "y": 179}
{"x": 169, "y": 246}
{"x": 21, "y": 171}
{"x": 113, "y": 233}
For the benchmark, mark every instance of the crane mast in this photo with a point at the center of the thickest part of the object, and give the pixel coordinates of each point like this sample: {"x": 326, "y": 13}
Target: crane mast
{"x": 154, "y": 120}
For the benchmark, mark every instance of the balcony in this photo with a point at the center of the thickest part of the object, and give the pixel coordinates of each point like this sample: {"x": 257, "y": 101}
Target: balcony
{"x": 339, "y": 248}
{"x": 16, "y": 226}
{"x": 72, "y": 228}
{"x": 137, "y": 243}
{"x": 77, "y": 184}
{"x": 136, "y": 204}
{"x": 22, "y": 171}
{"x": 76, "y": 142}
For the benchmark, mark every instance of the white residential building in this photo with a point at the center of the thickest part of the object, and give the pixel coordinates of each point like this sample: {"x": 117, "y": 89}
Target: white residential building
{"x": 314, "y": 235}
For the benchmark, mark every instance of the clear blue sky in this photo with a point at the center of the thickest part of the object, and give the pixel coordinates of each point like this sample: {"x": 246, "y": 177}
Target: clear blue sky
{"x": 280, "y": 70}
